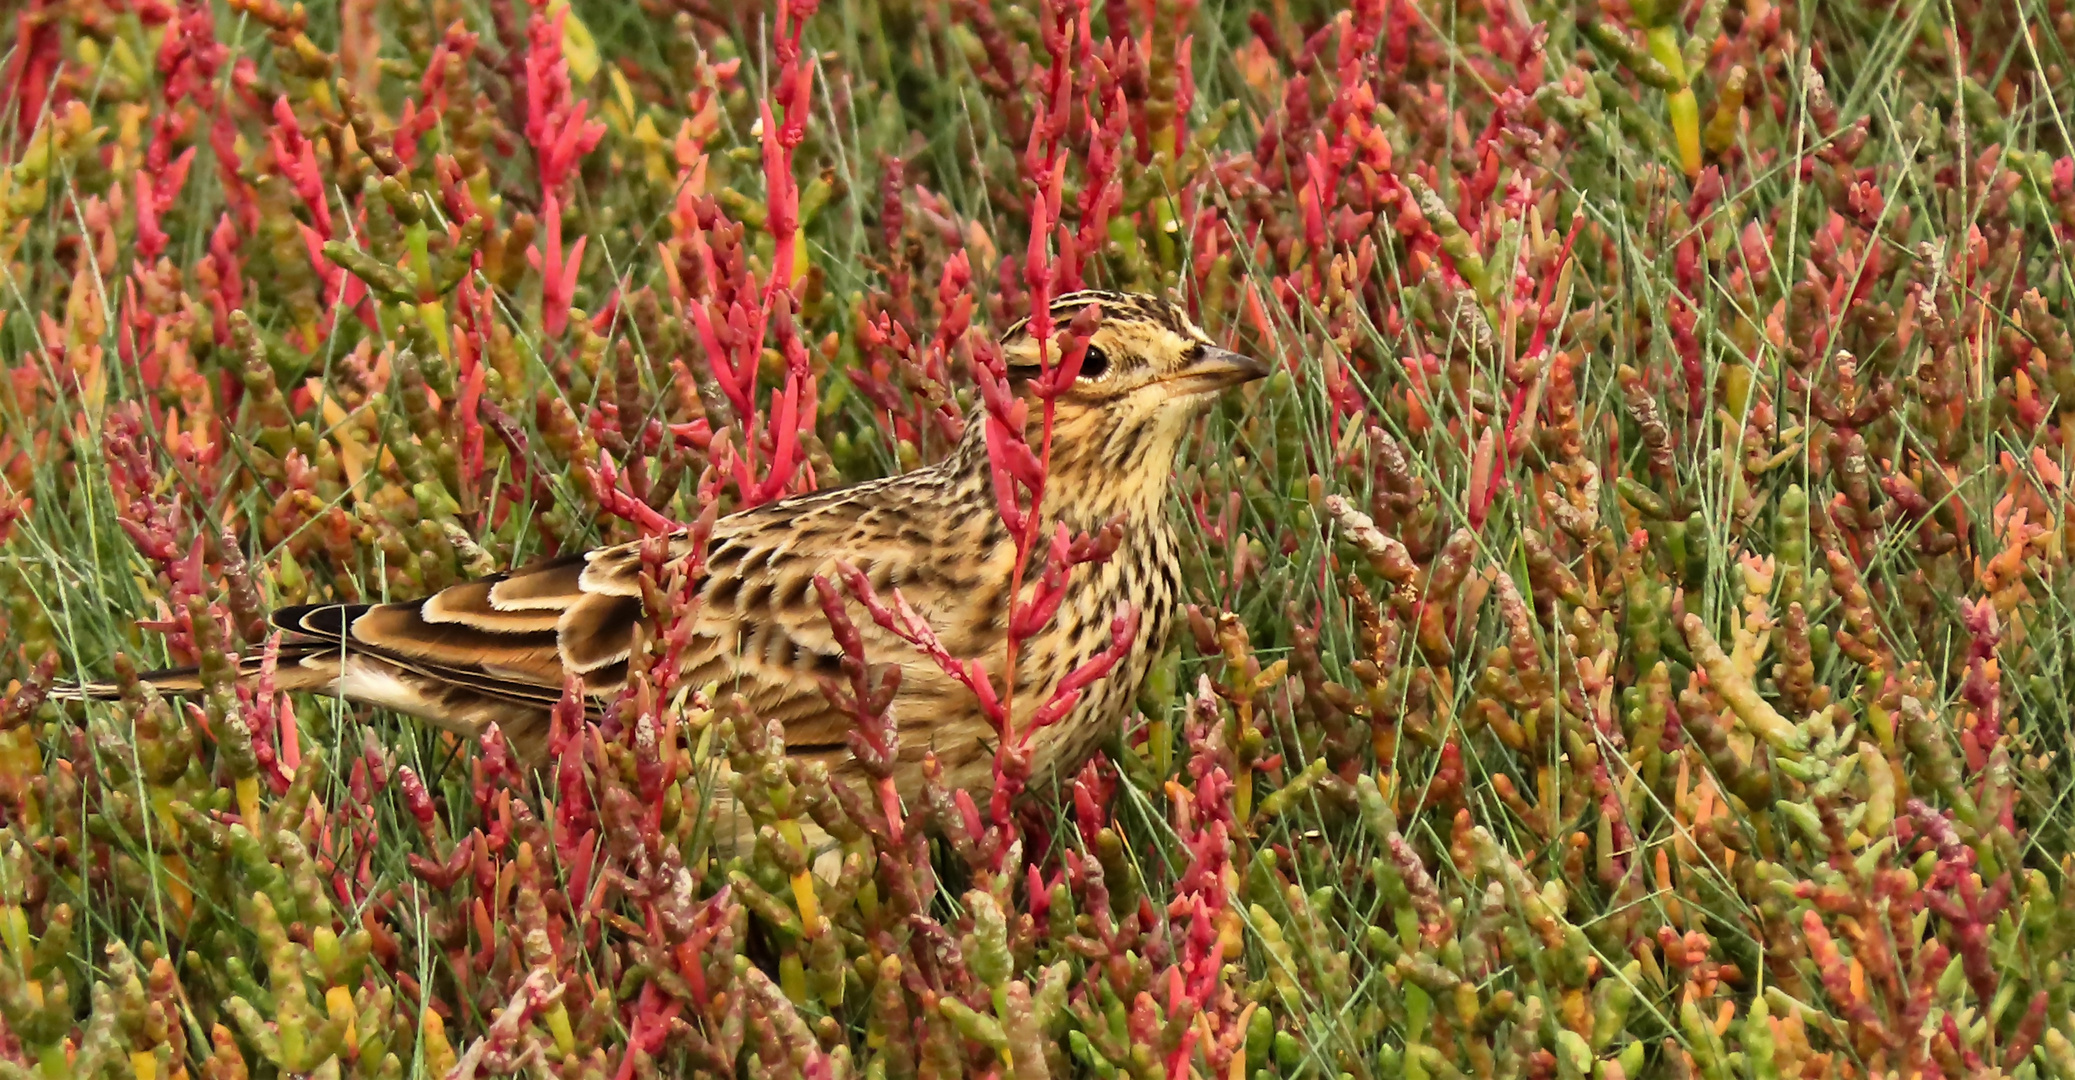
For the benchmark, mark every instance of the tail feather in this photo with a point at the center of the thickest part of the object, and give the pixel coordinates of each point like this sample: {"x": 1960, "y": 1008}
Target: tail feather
{"x": 463, "y": 702}
{"x": 457, "y": 659}
{"x": 289, "y": 675}
{"x": 86, "y": 691}
{"x": 180, "y": 680}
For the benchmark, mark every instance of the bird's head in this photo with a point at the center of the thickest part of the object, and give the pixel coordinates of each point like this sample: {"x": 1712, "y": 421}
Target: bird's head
{"x": 1148, "y": 373}
{"x": 1145, "y": 355}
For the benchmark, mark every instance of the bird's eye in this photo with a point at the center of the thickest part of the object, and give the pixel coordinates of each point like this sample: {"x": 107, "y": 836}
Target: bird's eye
{"x": 1094, "y": 363}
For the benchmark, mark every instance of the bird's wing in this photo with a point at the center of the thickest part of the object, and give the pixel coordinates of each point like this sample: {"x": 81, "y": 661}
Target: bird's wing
{"x": 759, "y": 630}
{"x": 514, "y": 636}
{"x": 761, "y": 623}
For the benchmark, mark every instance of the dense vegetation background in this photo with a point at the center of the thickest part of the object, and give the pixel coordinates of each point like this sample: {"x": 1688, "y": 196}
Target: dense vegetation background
{"x": 1632, "y": 632}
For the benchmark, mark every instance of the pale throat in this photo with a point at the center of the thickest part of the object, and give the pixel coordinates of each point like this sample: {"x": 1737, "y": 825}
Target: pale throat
{"x": 1109, "y": 463}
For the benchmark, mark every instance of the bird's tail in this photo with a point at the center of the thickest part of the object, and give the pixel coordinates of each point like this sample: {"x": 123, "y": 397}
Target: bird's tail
{"x": 289, "y": 674}
{"x": 183, "y": 680}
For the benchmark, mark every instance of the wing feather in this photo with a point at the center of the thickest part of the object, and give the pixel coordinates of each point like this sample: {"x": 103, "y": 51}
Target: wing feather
{"x": 597, "y": 630}
{"x": 401, "y": 630}
{"x": 471, "y": 604}
{"x": 613, "y": 571}
{"x": 543, "y": 586}
{"x": 503, "y": 645}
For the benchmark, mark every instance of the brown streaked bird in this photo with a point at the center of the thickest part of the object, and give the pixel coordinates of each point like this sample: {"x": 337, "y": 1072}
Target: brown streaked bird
{"x": 498, "y": 650}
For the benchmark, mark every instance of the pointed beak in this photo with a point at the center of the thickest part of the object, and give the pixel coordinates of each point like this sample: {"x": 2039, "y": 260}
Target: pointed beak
{"x": 1219, "y": 369}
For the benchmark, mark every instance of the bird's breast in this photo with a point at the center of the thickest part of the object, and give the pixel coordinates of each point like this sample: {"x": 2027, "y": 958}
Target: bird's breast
{"x": 1142, "y": 576}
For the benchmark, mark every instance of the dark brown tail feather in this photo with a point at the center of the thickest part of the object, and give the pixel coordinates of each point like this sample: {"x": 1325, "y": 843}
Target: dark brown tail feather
{"x": 522, "y": 711}
{"x": 289, "y": 674}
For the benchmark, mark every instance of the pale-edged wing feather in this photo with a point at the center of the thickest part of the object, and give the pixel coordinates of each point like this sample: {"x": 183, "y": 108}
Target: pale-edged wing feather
{"x": 500, "y": 648}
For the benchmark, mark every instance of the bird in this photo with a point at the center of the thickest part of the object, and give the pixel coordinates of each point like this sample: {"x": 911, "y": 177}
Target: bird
{"x": 498, "y": 650}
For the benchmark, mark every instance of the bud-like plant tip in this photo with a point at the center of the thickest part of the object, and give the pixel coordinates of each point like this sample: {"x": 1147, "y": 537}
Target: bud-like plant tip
{"x": 1736, "y": 688}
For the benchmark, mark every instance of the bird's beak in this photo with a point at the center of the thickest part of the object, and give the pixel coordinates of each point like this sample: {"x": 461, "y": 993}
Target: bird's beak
{"x": 1218, "y": 369}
